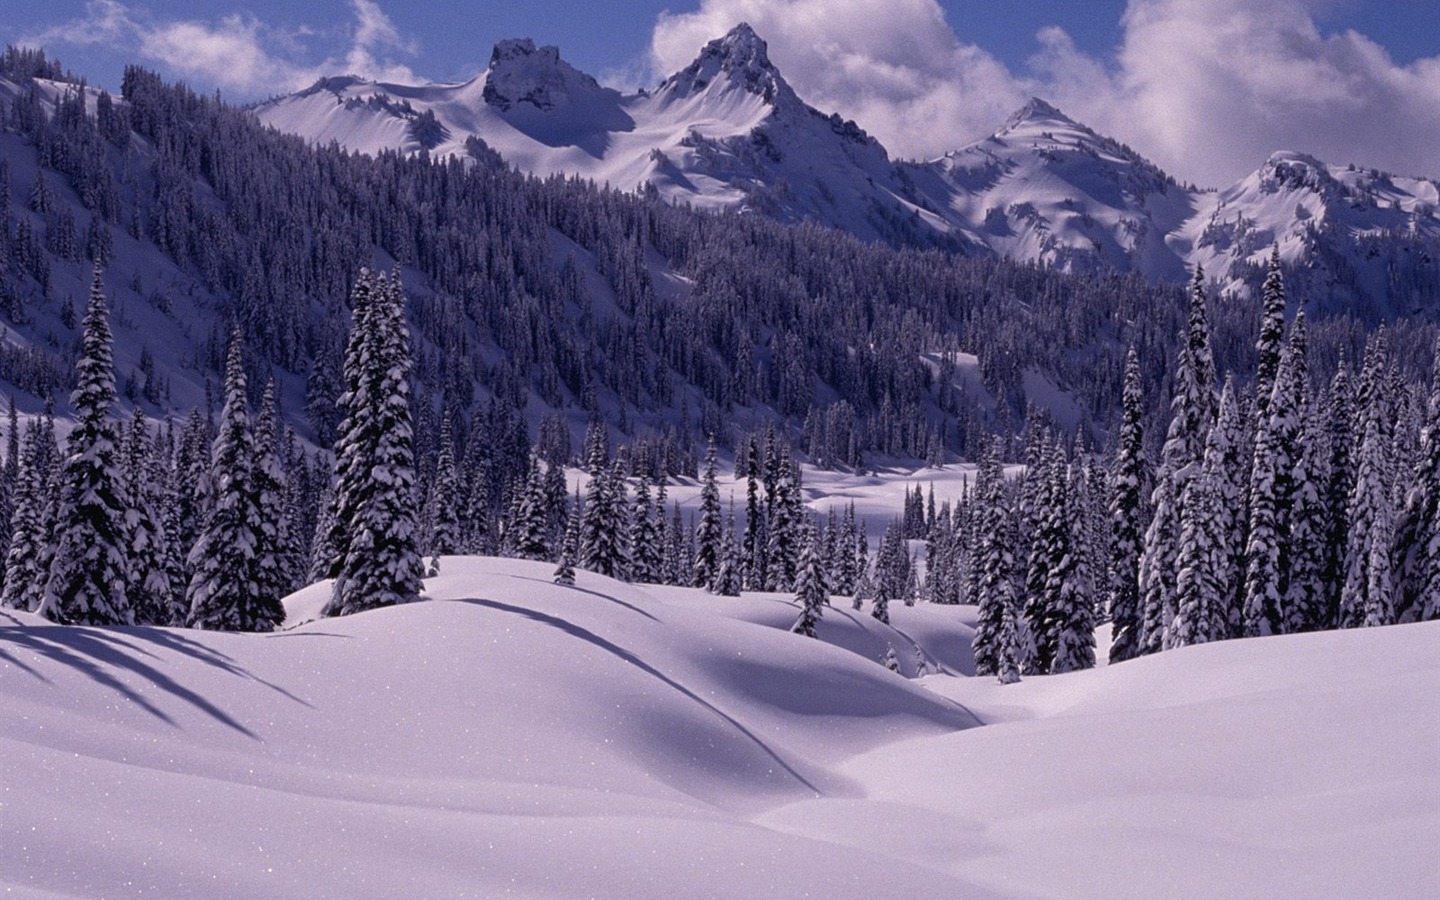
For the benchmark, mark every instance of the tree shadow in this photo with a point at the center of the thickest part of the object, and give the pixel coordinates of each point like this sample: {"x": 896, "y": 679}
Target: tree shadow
{"x": 630, "y": 606}
{"x": 592, "y": 638}
{"x": 101, "y": 655}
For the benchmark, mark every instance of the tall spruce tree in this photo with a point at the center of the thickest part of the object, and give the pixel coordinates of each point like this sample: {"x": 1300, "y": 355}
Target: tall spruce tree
{"x": 996, "y": 597}
{"x": 811, "y": 591}
{"x": 90, "y": 570}
{"x": 1365, "y": 598}
{"x": 150, "y": 588}
{"x": 1272, "y": 334}
{"x": 224, "y": 592}
{"x": 1191, "y": 411}
{"x": 273, "y": 575}
{"x": 1127, "y": 518}
{"x": 445, "y": 519}
{"x": 1272, "y": 492}
{"x": 707, "y": 532}
{"x": 381, "y": 565}
{"x": 25, "y": 569}
{"x": 1305, "y": 600}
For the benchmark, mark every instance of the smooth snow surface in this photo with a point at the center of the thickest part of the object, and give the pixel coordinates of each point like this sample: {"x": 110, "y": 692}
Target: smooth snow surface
{"x": 517, "y": 738}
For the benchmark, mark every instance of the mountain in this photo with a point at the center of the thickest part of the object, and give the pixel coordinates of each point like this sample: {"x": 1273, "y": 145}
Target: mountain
{"x": 1357, "y": 239}
{"x": 725, "y": 132}
{"x": 1046, "y": 188}
{"x": 728, "y": 132}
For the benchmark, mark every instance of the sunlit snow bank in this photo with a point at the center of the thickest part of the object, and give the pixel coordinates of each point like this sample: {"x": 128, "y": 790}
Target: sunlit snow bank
{"x": 611, "y": 740}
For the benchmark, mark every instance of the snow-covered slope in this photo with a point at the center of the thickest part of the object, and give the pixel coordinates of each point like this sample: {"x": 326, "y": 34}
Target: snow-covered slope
{"x": 519, "y": 738}
{"x": 1047, "y": 188}
{"x": 1361, "y": 233}
{"x": 727, "y": 131}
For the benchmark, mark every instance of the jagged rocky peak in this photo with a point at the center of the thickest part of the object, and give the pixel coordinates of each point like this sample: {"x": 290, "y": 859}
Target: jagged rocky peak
{"x": 520, "y": 72}
{"x": 1288, "y": 170}
{"x": 741, "y": 58}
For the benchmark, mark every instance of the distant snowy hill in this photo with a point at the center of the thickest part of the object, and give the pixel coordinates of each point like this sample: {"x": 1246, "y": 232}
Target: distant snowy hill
{"x": 512, "y": 737}
{"x": 729, "y": 132}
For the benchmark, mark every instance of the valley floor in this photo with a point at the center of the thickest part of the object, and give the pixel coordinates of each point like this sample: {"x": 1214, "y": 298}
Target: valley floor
{"x": 513, "y": 737}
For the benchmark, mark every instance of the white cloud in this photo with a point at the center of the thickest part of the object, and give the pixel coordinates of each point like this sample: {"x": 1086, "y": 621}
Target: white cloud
{"x": 237, "y": 52}
{"x": 1206, "y": 88}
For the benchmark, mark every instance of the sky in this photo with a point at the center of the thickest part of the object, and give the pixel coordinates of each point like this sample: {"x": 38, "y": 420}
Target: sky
{"x": 1207, "y": 89}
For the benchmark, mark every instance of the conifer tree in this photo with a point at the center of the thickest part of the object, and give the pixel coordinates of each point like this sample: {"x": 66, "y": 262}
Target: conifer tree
{"x": 565, "y": 569}
{"x": 356, "y": 437}
{"x": 25, "y": 572}
{"x": 1418, "y": 534}
{"x": 1127, "y": 517}
{"x": 530, "y": 528}
{"x": 445, "y": 518}
{"x": 707, "y": 532}
{"x": 91, "y": 569}
{"x": 996, "y": 590}
{"x": 647, "y": 542}
{"x": 271, "y": 527}
{"x": 1190, "y": 419}
{"x": 224, "y": 593}
{"x": 382, "y": 565}
{"x": 1305, "y": 603}
{"x": 1272, "y": 334}
{"x": 1069, "y": 618}
{"x": 150, "y": 588}
{"x": 1365, "y": 597}
{"x": 1272, "y": 492}
{"x": 754, "y": 544}
{"x": 1208, "y": 530}
{"x": 810, "y": 588}
{"x": 728, "y": 574}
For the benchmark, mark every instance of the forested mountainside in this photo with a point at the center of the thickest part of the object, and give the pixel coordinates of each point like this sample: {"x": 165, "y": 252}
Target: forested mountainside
{"x": 536, "y": 296}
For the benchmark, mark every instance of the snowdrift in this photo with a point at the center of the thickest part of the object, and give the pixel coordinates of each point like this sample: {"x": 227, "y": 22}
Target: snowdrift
{"x": 515, "y": 738}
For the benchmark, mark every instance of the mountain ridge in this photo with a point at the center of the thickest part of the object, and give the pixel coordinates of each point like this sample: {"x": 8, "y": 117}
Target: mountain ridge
{"x": 729, "y": 132}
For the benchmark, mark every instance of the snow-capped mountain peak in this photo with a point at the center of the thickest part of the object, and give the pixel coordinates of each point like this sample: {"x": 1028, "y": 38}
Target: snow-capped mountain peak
{"x": 739, "y": 59}
{"x": 520, "y": 72}
{"x": 1037, "y": 112}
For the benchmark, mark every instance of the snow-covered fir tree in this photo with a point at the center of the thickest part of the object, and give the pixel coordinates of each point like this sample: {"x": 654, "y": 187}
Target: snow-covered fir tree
{"x": 1207, "y": 534}
{"x": 445, "y": 519}
{"x": 90, "y": 570}
{"x": 1272, "y": 334}
{"x": 272, "y": 527}
{"x": 150, "y": 587}
{"x": 1070, "y": 605}
{"x": 26, "y": 561}
{"x": 565, "y": 568}
{"x": 1127, "y": 517}
{"x": 729, "y": 567}
{"x": 1272, "y": 492}
{"x": 811, "y": 591}
{"x": 647, "y": 542}
{"x": 381, "y": 565}
{"x": 707, "y": 531}
{"x": 225, "y": 592}
{"x": 1365, "y": 597}
{"x": 996, "y": 596}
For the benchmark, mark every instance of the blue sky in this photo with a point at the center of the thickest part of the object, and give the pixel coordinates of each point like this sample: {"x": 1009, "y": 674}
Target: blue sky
{"x": 1206, "y": 88}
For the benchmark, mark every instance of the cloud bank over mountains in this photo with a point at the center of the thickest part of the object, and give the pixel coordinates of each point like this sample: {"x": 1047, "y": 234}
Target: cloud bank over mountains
{"x": 1205, "y": 88}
